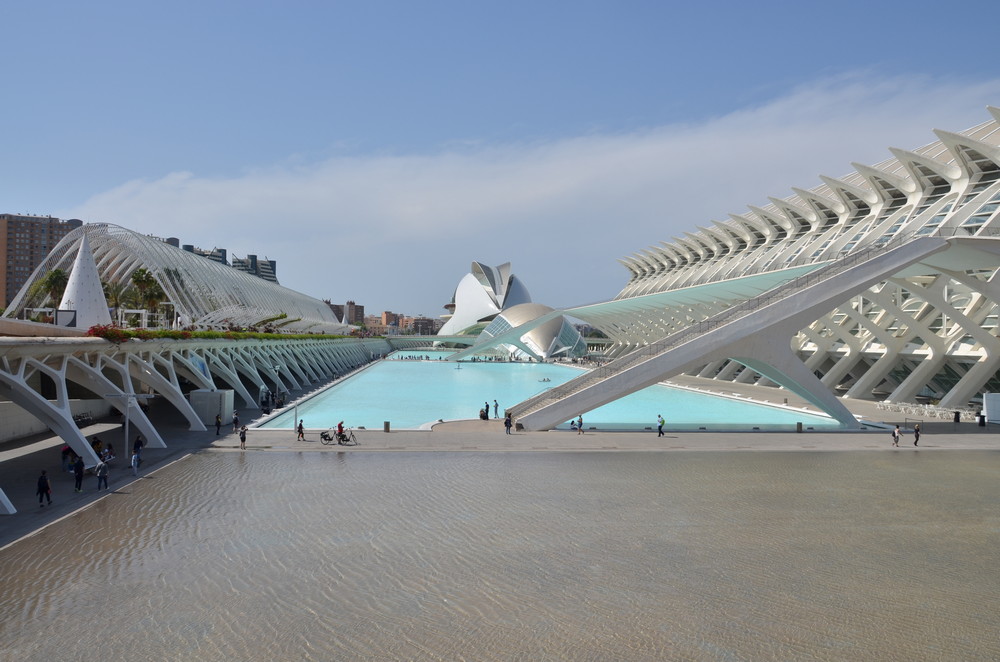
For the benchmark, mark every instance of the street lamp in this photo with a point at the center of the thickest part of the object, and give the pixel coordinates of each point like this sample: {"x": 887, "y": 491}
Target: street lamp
{"x": 130, "y": 399}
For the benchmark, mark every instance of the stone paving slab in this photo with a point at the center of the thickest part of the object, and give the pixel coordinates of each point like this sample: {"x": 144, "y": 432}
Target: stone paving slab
{"x": 20, "y": 470}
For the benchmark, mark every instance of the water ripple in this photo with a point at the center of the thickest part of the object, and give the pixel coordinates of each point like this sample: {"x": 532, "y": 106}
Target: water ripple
{"x": 437, "y": 556}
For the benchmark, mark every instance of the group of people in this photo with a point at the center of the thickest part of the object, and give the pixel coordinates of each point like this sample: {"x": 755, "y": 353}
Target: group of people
{"x": 268, "y": 401}
{"x": 484, "y": 413}
{"x": 74, "y": 464}
{"x": 897, "y": 434}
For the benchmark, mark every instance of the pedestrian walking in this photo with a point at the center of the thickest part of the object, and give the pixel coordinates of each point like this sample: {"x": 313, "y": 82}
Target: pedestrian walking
{"x": 137, "y": 447}
{"x": 218, "y": 424}
{"x": 236, "y": 421}
{"x": 302, "y": 431}
{"x": 916, "y": 433}
{"x": 659, "y": 425}
{"x": 101, "y": 471}
{"x": 508, "y": 422}
{"x": 135, "y": 464}
{"x": 44, "y": 489}
{"x": 579, "y": 424}
{"x": 243, "y": 438}
{"x": 895, "y": 436}
{"x": 78, "y": 473}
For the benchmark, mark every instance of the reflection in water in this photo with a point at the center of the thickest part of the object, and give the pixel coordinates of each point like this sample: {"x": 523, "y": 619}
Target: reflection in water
{"x": 533, "y": 556}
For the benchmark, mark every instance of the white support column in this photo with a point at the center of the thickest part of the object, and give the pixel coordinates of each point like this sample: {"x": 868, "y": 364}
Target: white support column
{"x": 218, "y": 363}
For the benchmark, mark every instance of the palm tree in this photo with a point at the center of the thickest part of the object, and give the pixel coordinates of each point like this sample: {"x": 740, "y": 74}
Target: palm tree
{"x": 143, "y": 280}
{"x": 154, "y": 296}
{"x": 52, "y": 285}
{"x": 116, "y": 294}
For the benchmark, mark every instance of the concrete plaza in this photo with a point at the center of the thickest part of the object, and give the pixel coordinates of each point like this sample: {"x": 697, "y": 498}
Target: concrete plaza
{"x": 22, "y": 461}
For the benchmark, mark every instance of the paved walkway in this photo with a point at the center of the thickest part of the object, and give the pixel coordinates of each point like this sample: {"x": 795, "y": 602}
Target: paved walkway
{"x": 23, "y": 460}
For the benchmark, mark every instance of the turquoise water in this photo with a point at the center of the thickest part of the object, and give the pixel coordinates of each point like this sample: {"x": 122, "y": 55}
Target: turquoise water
{"x": 413, "y": 393}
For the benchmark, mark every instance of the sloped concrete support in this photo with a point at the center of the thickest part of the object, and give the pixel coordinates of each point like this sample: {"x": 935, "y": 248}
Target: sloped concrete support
{"x": 220, "y": 365}
{"x": 190, "y": 365}
{"x": 56, "y": 415}
{"x": 791, "y": 373}
{"x": 761, "y": 335}
{"x": 6, "y": 507}
{"x": 91, "y": 378}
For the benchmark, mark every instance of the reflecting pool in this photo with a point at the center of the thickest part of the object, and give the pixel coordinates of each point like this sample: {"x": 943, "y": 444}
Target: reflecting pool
{"x": 412, "y": 392}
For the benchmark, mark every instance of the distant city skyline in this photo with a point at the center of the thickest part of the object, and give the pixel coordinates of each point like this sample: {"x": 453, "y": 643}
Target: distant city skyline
{"x": 375, "y": 150}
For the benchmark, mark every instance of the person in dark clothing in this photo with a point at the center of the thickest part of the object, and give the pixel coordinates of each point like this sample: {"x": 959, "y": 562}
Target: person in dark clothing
{"x": 218, "y": 424}
{"x": 78, "y": 474}
{"x": 137, "y": 448}
{"x": 67, "y": 457}
{"x": 44, "y": 489}
{"x": 916, "y": 434}
{"x": 508, "y": 422}
{"x": 101, "y": 471}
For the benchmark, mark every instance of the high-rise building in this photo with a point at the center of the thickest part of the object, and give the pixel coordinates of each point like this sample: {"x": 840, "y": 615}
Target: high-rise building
{"x": 350, "y": 313}
{"x": 24, "y": 242}
{"x": 423, "y": 326}
{"x": 354, "y": 313}
{"x": 261, "y": 268}
{"x": 219, "y": 255}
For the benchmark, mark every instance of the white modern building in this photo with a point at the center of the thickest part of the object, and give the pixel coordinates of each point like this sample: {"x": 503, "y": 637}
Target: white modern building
{"x": 198, "y": 293}
{"x": 480, "y": 296}
{"x": 879, "y": 284}
{"x": 555, "y": 339}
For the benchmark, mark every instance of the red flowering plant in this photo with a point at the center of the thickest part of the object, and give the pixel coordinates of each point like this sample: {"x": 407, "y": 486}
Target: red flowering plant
{"x": 111, "y": 333}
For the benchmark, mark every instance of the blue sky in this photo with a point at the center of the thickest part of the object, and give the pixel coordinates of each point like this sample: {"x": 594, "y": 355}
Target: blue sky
{"x": 375, "y": 149}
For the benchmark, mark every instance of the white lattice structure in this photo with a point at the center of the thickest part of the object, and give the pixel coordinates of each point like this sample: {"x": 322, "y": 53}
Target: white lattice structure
{"x": 167, "y": 370}
{"x": 202, "y": 293}
{"x": 931, "y": 333}
{"x": 897, "y": 264}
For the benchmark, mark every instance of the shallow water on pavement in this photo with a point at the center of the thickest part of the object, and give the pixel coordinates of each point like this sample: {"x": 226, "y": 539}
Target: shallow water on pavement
{"x": 521, "y": 556}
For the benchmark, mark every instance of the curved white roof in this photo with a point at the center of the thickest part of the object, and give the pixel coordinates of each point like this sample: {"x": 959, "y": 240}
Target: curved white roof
{"x": 481, "y": 294}
{"x": 205, "y": 294}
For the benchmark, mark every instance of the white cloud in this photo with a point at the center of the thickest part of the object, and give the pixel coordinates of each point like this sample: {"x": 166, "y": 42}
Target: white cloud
{"x": 398, "y": 231}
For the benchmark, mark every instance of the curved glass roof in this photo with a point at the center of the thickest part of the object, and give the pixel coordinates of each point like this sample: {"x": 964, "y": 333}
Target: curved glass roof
{"x": 205, "y": 294}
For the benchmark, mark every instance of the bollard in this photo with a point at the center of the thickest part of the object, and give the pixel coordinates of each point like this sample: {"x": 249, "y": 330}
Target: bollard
{"x": 385, "y": 426}
{"x": 798, "y": 426}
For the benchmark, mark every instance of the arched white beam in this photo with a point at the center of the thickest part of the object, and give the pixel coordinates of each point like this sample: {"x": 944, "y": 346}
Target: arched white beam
{"x": 246, "y": 368}
{"x": 193, "y": 367}
{"x": 57, "y": 416}
{"x": 86, "y": 375}
{"x": 219, "y": 364}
